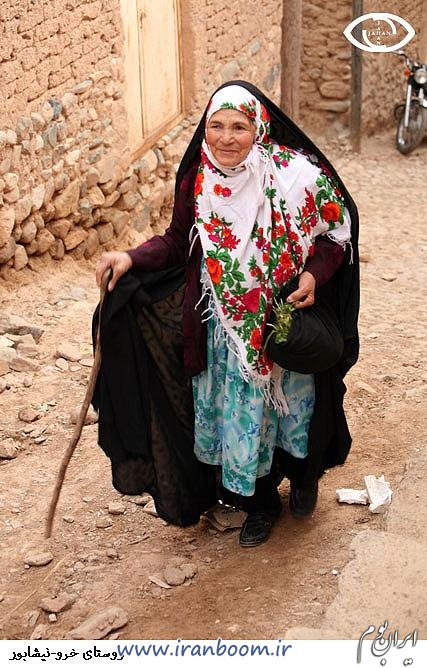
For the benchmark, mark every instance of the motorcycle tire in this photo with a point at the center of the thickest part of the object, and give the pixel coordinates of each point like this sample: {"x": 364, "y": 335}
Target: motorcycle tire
{"x": 408, "y": 138}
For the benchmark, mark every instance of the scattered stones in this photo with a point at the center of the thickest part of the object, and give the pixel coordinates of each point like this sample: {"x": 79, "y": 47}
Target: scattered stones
{"x": 13, "y": 324}
{"x": 8, "y": 449}
{"x": 103, "y": 522}
{"x": 38, "y": 558}
{"x": 68, "y": 352}
{"x": 100, "y": 624}
{"x": 57, "y": 604}
{"x": 116, "y": 508}
{"x": 91, "y": 416}
{"x": 28, "y": 415}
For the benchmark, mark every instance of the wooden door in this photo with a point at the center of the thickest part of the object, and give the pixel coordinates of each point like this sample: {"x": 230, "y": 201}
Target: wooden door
{"x": 152, "y": 64}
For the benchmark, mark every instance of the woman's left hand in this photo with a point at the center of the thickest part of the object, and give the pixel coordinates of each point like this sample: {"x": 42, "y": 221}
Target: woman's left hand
{"x": 304, "y": 296}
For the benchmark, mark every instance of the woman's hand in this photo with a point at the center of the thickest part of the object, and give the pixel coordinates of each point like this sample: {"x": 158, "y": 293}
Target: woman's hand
{"x": 304, "y": 296}
{"x": 119, "y": 261}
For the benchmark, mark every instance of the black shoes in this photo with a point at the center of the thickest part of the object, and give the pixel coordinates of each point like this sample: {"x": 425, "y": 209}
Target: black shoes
{"x": 257, "y": 527}
{"x": 302, "y": 500}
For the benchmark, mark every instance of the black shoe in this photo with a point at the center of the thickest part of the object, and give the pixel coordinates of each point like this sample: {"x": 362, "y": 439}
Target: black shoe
{"x": 257, "y": 527}
{"x": 302, "y": 500}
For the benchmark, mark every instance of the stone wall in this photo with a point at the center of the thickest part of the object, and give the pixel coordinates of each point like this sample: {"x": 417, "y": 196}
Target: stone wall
{"x": 67, "y": 180}
{"x": 326, "y": 66}
{"x": 47, "y": 46}
{"x": 235, "y": 40}
{"x": 383, "y": 79}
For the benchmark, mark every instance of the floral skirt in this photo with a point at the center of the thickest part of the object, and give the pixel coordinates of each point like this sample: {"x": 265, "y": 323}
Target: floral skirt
{"x": 234, "y": 426}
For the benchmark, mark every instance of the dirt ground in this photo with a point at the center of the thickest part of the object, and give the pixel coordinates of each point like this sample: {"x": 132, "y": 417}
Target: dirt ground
{"x": 254, "y": 593}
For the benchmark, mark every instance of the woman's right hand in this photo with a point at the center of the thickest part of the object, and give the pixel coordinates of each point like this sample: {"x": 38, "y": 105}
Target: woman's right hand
{"x": 119, "y": 261}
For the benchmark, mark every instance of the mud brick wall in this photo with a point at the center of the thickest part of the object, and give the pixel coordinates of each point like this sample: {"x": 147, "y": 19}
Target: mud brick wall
{"x": 326, "y": 66}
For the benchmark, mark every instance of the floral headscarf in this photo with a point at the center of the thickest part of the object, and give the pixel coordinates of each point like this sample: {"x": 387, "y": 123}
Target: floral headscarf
{"x": 257, "y": 223}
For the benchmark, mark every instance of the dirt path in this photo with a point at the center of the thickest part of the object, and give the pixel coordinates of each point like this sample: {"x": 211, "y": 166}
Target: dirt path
{"x": 289, "y": 581}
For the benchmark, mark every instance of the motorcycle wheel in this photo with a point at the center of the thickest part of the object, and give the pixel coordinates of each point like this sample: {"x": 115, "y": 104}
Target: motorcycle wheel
{"x": 408, "y": 138}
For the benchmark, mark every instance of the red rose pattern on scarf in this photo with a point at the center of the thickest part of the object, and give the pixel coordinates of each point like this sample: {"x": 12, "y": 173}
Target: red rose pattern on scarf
{"x": 281, "y": 255}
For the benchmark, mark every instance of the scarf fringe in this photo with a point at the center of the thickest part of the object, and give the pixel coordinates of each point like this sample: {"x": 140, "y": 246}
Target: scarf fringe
{"x": 342, "y": 243}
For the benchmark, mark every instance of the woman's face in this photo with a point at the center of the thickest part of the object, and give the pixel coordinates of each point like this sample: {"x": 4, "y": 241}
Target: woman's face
{"x": 230, "y": 135}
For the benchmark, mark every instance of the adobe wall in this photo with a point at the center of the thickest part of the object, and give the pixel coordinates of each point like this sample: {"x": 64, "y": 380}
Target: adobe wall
{"x": 67, "y": 183}
{"x": 326, "y": 66}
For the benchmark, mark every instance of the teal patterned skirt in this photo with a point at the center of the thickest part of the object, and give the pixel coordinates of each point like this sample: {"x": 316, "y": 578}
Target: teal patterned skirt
{"x": 234, "y": 426}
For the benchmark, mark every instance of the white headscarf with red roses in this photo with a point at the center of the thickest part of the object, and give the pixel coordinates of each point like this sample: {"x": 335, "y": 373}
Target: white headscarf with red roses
{"x": 257, "y": 222}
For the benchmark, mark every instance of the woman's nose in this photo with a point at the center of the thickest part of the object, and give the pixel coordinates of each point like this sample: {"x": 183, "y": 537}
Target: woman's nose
{"x": 227, "y": 136}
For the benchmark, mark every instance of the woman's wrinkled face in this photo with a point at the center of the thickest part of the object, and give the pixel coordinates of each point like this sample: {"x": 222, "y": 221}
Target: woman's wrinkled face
{"x": 230, "y": 135}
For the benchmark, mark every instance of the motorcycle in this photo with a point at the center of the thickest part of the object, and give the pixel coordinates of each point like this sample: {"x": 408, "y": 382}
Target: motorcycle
{"x": 412, "y": 115}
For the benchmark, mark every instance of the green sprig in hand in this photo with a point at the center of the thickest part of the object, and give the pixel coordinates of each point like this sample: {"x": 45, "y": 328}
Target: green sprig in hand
{"x": 281, "y": 328}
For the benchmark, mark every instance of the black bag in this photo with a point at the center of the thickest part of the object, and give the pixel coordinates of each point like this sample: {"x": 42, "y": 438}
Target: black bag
{"x": 315, "y": 342}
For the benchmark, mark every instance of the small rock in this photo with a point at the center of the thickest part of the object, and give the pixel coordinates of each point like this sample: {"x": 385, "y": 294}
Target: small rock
{"x": 116, "y": 508}
{"x": 189, "y": 570}
{"x": 57, "y": 604}
{"x": 91, "y": 416}
{"x": 22, "y": 364}
{"x": 52, "y": 618}
{"x": 8, "y": 449}
{"x": 13, "y": 324}
{"x": 27, "y": 350}
{"x": 103, "y": 523}
{"x": 61, "y": 364}
{"x": 68, "y": 518}
{"x": 174, "y": 576}
{"x": 150, "y": 508}
{"x": 4, "y": 367}
{"x": 3, "y": 384}
{"x": 100, "y": 624}
{"x": 87, "y": 362}
{"x": 68, "y": 352}
{"x": 27, "y": 381}
{"x": 28, "y": 415}
{"x": 112, "y": 553}
{"x": 38, "y": 558}
{"x": 365, "y": 388}
{"x": 140, "y": 500}
{"x": 157, "y": 580}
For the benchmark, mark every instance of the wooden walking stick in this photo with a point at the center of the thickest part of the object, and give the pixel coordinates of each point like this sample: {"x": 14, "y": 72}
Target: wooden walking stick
{"x": 82, "y": 415}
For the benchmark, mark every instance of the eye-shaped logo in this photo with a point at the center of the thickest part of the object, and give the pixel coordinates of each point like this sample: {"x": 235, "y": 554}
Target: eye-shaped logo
{"x": 380, "y": 33}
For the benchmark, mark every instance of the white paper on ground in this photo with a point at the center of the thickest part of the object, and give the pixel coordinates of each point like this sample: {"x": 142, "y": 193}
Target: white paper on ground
{"x": 379, "y": 493}
{"x": 347, "y": 495}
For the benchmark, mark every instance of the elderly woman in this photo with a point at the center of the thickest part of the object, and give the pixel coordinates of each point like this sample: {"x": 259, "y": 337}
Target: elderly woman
{"x": 256, "y": 206}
